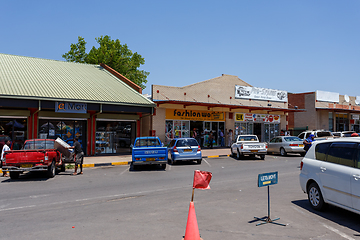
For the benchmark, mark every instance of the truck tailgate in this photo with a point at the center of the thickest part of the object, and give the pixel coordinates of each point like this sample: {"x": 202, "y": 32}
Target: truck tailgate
{"x": 17, "y": 157}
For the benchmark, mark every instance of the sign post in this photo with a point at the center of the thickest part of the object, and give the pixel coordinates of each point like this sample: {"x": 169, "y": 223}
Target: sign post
{"x": 267, "y": 179}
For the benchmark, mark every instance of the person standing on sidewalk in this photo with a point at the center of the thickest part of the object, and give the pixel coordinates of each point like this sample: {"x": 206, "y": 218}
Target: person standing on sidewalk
{"x": 6, "y": 147}
{"x": 79, "y": 155}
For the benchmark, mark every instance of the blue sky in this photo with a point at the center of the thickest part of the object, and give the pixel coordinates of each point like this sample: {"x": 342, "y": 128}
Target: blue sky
{"x": 292, "y": 45}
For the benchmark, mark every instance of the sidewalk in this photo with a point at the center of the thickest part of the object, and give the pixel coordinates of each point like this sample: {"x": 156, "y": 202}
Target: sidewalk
{"x": 100, "y": 161}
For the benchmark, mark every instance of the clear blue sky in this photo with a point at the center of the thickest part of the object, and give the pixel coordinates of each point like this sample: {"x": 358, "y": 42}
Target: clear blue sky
{"x": 292, "y": 45}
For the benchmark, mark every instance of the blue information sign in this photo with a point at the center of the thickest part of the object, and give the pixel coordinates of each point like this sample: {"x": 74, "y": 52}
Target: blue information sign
{"x": 266, "y": 179}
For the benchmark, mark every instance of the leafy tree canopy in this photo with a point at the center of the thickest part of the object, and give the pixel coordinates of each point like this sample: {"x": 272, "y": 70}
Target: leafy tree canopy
{"x": 112, "y": 53}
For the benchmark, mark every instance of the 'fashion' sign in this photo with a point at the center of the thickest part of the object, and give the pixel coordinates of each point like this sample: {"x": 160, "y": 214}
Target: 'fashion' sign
{"x": 246, "y": 92}
{"x": 194, "y": 115}
{"x": 69, "y": 107}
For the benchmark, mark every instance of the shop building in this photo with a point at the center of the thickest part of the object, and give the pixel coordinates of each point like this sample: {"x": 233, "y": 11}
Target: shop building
{"x": 220, "y": 104}
{"x": 42, "y": 98}
{"x": 324, "y": 110}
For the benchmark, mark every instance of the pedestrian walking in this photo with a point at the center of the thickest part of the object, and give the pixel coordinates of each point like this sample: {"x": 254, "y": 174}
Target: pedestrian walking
{"x": 230, "y": 137}
{"x": 211, "y": 139}
{"x": 6, "y": 147}
{"x": 79, "y": 156}
{"x": 308, "y": 142}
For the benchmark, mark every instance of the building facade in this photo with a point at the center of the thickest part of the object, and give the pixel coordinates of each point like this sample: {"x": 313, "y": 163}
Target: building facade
{"x": 42, "y": 98}
{"x": 223, "y": 104}
{"x": 324, "y": 110}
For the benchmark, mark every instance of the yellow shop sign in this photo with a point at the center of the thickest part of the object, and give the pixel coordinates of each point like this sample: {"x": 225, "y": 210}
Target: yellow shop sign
{"x": 194, "y": 115}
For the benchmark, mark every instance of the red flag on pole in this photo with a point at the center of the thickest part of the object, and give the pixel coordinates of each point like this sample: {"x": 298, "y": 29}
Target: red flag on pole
{"x": 202, "y": 179}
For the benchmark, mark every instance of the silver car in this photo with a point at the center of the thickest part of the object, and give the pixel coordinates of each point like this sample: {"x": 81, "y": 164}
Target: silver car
{"x": 285, "y": 145}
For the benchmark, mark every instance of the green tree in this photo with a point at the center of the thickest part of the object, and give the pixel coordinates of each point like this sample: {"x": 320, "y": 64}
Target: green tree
{"x": 112, "y": 53}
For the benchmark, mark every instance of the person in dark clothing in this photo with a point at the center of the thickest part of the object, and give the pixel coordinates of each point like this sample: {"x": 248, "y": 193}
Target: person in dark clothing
{"x": 79, "y": 156}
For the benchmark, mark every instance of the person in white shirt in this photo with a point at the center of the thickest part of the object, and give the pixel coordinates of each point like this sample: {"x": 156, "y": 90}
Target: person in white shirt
{"x": 5, "y": 148}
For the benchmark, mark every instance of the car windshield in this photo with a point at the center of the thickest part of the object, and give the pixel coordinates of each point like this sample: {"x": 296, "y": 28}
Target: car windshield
{"x": 347, "y": 134}
{"x": 247, "y": 138}
{"x": 186, "y": 143}
{"x": 148, "y": 142}
{"x": 324, "y": 134}
{"x": 291, "y": 139}
{"x": 43, "y": 144}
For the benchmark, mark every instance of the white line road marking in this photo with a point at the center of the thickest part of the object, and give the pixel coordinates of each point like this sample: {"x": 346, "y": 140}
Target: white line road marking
{"x": 207, "y": 162}
{"x": 338, "y": 232}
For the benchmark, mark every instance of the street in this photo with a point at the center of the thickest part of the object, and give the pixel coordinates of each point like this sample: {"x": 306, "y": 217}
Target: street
{"x": 115, "y": 203}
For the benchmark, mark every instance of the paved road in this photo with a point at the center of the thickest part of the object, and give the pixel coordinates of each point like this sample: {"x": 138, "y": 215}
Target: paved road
{"x": 113, "y": 203}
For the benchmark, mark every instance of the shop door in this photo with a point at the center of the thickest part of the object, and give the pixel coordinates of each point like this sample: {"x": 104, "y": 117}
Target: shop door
{"x": 257, "y": 131}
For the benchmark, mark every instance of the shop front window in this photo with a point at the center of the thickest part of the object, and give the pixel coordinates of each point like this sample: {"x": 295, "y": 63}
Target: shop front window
{"x": 14, "y": 129}
{"x": 271, "y": 131}
{"x": 114, "y": 136}
{"x": 342, "y": 122}
{"x": 67, "y": 130}
{"x": 242, "y": 128}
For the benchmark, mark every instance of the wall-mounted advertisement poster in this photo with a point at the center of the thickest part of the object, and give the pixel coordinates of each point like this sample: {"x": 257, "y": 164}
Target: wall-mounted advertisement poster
{"x": 245, "y": 92}
{"x": 253, "y": 117}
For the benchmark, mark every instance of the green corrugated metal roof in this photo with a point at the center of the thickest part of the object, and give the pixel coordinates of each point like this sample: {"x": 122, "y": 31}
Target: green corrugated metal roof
{"x": 34, "y": 78}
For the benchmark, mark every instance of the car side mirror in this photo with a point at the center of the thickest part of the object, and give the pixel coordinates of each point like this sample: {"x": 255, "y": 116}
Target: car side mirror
{"x": 131, "y": 146}
{"x": 162, "y": 144}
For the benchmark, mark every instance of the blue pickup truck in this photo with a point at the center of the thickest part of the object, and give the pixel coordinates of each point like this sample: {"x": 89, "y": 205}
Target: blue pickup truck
{"x": 148, "y": 151}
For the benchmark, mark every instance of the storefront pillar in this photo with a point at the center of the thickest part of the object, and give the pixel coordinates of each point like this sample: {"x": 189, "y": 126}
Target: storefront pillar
{"x": 33, "y": 123}
{"x": 138, "y": 126}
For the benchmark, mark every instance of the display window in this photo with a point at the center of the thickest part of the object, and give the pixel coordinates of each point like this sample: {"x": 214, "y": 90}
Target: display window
{"x": 182, "y": 129}
{"x": 176, "y": 129}
{"x": 65, "y": 129}
{"x": 114, "y": 136}
{"x": 14, "y": 129}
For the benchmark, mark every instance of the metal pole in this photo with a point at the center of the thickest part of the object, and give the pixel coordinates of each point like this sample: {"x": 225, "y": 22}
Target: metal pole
{"x": 268, "y": 188}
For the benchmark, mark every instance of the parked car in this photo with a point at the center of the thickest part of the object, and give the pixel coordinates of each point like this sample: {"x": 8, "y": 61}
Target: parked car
{"x": 319, "y": 134}
{"x": 148, "y": 151}
{"x": 343, "y": 134}
{"x": 330, "y": 174}
{"x": 248, "y": 145}
{"x": 37, "y": 155}
{"x": 184, "y": 149}
{"x": 285, "y": 145}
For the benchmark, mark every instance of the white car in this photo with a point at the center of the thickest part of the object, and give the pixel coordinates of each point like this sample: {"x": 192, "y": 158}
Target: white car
{"x": 330, "y": 174}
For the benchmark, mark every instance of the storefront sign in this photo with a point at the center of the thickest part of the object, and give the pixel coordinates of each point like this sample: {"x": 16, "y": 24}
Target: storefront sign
{"x": 266, "y": 179}
{"x": 194, "y": 115}
{"x": 246, "y": 92}
{"x": 252, "y": 117}
{"x": 69, "y": 107}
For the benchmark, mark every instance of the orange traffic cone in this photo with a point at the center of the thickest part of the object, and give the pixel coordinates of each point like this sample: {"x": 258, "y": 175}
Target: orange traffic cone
{"x": 192, "y": 229}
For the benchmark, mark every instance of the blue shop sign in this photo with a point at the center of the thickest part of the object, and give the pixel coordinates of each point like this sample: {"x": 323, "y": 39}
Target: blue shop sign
{"x": 266, "y": 179}
{"x": 70, "y": 107}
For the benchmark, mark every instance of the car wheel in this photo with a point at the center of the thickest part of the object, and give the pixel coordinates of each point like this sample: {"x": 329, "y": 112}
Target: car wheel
{"x": 238, "y": 155}
{"x": 14, "y": 175}
{"x": 51, "y": 170}
{"x": 262, "y": 157}
{"x": 232, "y": 153}
{"x": 282, "y": 152}
{"x": 315, "y": 197}
{"x": 198, "y": 161}
{"x": 132, "y": 167}
{"x": 163, "y": 166}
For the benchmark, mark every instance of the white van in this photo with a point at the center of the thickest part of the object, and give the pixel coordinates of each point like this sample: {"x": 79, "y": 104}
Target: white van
{"x": 330, "y": 174}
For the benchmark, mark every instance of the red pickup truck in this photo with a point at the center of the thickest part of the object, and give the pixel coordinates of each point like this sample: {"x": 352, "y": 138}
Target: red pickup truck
{"x": 36, "y": 155}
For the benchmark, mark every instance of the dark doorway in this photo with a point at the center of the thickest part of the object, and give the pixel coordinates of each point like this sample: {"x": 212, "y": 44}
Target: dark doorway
{"x": 257, "y": 130}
